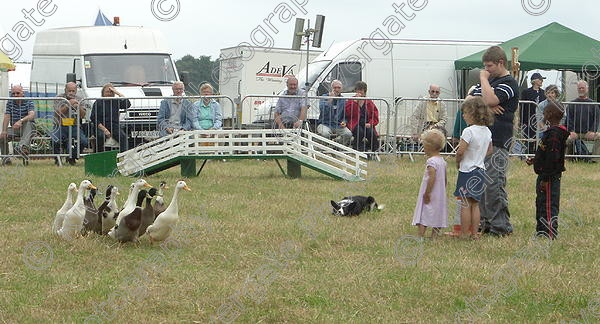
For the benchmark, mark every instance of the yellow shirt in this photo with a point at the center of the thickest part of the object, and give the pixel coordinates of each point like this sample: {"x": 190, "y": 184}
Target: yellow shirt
{"x": 432, "y": 111}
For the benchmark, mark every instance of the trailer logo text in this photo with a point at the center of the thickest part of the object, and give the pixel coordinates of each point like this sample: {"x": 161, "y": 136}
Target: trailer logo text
{"x": 275, "y": 71}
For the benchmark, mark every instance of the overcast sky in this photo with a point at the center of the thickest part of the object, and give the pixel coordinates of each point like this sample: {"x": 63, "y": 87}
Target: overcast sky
{"x": 204, "y": 27}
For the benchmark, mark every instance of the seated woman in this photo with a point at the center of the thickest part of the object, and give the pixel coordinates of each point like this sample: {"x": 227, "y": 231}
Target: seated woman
{"x": 208, "y": 111}
{"x": 105, "y": 116}
{"x": 363, "y": 116}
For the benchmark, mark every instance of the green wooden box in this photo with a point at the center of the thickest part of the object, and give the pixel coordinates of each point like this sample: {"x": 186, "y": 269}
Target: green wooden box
{"x": 102, "y": 164}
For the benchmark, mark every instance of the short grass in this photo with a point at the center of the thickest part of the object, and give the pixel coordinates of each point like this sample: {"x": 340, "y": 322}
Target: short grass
{"x": 257, "y": 247}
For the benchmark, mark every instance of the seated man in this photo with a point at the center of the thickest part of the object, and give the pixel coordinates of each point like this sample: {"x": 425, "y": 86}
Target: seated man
{"x": 429, "y": 114}
{"x": 20, "y": 114}
{"x": 175, "y": 114}
{"x": 583, "y": 119}
{"x": 62, "y": 111}
{"x": 332, "y": 118}
{"x": 291, "y": 112}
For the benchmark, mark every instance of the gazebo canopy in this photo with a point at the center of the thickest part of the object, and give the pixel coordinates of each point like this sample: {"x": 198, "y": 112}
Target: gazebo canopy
{"x": 552, "y": 47}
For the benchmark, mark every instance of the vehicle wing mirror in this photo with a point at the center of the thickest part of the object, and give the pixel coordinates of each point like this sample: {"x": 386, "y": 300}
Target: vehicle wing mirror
{"x": 71, "y": 77}
{"x": 185, "y": 78}
{"x": 324, "y": 87}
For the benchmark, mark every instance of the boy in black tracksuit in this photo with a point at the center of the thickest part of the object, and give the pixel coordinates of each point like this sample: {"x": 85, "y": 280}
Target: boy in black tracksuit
{"x": 549, "y": 163}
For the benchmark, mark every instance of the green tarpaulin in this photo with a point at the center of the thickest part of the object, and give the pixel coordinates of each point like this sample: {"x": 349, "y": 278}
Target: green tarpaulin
{"x": 552, "y": 47}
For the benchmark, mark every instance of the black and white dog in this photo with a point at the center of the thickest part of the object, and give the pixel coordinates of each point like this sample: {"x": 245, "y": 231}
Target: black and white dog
{"x": 354, "y": 205}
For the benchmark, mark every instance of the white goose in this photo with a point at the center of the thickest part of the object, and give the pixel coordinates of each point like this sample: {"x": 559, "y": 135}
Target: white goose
{"x": 73, "y": 221}
{"x": 60, "y": 214}
{"x": 129, "y": 205}
{"x": 164, "y": 223}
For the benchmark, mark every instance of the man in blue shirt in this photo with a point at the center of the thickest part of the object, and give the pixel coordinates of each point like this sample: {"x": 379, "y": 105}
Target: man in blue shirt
{"x": 20, "y": 114}
{"x": 175, "y": 114}
{"x": 291, "y": 112}
{"x": 332, "y": 118}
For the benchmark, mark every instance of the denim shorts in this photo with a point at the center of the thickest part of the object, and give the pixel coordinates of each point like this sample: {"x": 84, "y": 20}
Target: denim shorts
{"x": 470, "y": 184}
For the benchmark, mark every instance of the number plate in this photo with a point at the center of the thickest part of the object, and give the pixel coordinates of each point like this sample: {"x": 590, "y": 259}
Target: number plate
{"x": 144, "y": 134}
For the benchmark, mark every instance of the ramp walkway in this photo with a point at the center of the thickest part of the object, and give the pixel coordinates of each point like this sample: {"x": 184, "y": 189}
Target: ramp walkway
{"x": 299, "y": 147}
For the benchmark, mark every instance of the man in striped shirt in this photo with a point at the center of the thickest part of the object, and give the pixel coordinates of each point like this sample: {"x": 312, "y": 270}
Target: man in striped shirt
{"x": 20, "y": 114}
{"x": 499, "y": 91}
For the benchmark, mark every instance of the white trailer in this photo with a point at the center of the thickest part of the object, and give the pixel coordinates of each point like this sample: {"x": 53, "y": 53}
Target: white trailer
{"x": 392, "y": 69}
{"x": 256, "y": 70}
{"x": 136, "y": 60}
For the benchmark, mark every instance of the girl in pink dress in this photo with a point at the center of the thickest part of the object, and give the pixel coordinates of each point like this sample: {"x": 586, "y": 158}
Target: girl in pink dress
{"x": 432, "y": 208}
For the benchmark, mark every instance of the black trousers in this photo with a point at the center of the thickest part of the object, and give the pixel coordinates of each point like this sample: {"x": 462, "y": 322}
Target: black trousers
{"x": 547, "y": 203}
{"x": 365, "y": 139}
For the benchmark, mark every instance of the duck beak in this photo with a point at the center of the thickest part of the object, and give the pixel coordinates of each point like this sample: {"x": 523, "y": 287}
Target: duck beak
{"x": 166, "y": 187}
{"x": 118, "y": 193}
{"x": 147, "y": 185}
{"x": 187, "y": 188}
{"x": 91, "y": 186}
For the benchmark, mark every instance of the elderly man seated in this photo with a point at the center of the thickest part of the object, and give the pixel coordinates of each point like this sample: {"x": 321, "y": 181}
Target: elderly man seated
{"x": 291, "y": 112}
{"x": 332, "y": 117}
{"x": 583, "y": 120}
{"x": 430, "y": 113}
{"x": 175, "y": 114}
{"x": 20, "y": 114}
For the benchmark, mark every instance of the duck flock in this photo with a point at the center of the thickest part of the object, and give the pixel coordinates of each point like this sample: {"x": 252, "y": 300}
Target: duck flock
{"x": 128, "y": 224}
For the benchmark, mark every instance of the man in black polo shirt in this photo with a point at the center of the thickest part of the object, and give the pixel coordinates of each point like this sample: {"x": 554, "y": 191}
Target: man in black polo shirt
{"x": 528, "y": 121}
{"x": 499, "y": 90}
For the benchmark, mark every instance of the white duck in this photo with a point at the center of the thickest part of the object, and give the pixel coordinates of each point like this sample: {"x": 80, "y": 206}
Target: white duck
{"x": 164, "y": 223}
{"x": 129, "y": 205}
{"x": 60, "y": 214}
{"x": 73, "y": 221}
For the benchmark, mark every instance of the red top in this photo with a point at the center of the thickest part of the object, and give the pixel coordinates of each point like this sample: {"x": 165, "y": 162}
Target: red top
{"x": 353, "y": 114}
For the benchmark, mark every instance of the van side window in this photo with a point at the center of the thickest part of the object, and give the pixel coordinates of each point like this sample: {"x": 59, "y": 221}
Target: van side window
{"x": 347, "y": 72}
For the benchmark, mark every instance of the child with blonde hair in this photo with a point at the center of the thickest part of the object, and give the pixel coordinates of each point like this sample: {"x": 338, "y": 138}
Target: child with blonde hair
{"x": 475, "y": 145}
{"x": 432, "y": 208}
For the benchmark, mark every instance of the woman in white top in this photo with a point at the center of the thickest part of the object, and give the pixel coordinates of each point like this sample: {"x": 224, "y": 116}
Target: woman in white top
{"x": 475, "y": 144}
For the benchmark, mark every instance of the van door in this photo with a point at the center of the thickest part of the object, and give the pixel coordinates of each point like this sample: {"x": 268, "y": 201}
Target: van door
{"x": 347, "y": 72}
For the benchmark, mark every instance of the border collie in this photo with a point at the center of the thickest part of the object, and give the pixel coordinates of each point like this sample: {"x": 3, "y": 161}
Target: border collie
{"x": 354, "y": 205}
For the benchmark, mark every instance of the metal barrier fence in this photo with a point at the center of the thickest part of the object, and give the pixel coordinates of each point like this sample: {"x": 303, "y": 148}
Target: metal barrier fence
{"x": 260, "y": 111}
{"x": 122, "y": 123}
{"x": 583, "y": 117}
{"x": 48, "y": 134}
{"x": 76, "y": 132}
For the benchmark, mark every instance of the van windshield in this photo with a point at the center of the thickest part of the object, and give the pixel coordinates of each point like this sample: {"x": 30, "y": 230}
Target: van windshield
{"x": 314, "y": 70}
{"x": 128, "y": 70}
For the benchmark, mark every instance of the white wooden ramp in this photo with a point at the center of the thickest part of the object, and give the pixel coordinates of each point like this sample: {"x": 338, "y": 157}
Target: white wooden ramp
{"x": 297, "y": 145}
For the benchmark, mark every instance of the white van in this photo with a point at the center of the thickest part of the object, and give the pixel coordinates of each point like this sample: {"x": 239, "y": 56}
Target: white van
{"x": 248, "y": 70}
{"x": 135, "y": 60}
{"x": 402, "y": 68}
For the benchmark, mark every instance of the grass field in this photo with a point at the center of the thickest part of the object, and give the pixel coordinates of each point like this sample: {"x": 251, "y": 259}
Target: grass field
{"x": 255, "y": 247}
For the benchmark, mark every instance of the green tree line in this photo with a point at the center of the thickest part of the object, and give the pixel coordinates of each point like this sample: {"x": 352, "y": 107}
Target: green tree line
{"x": 201, "y": 70}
